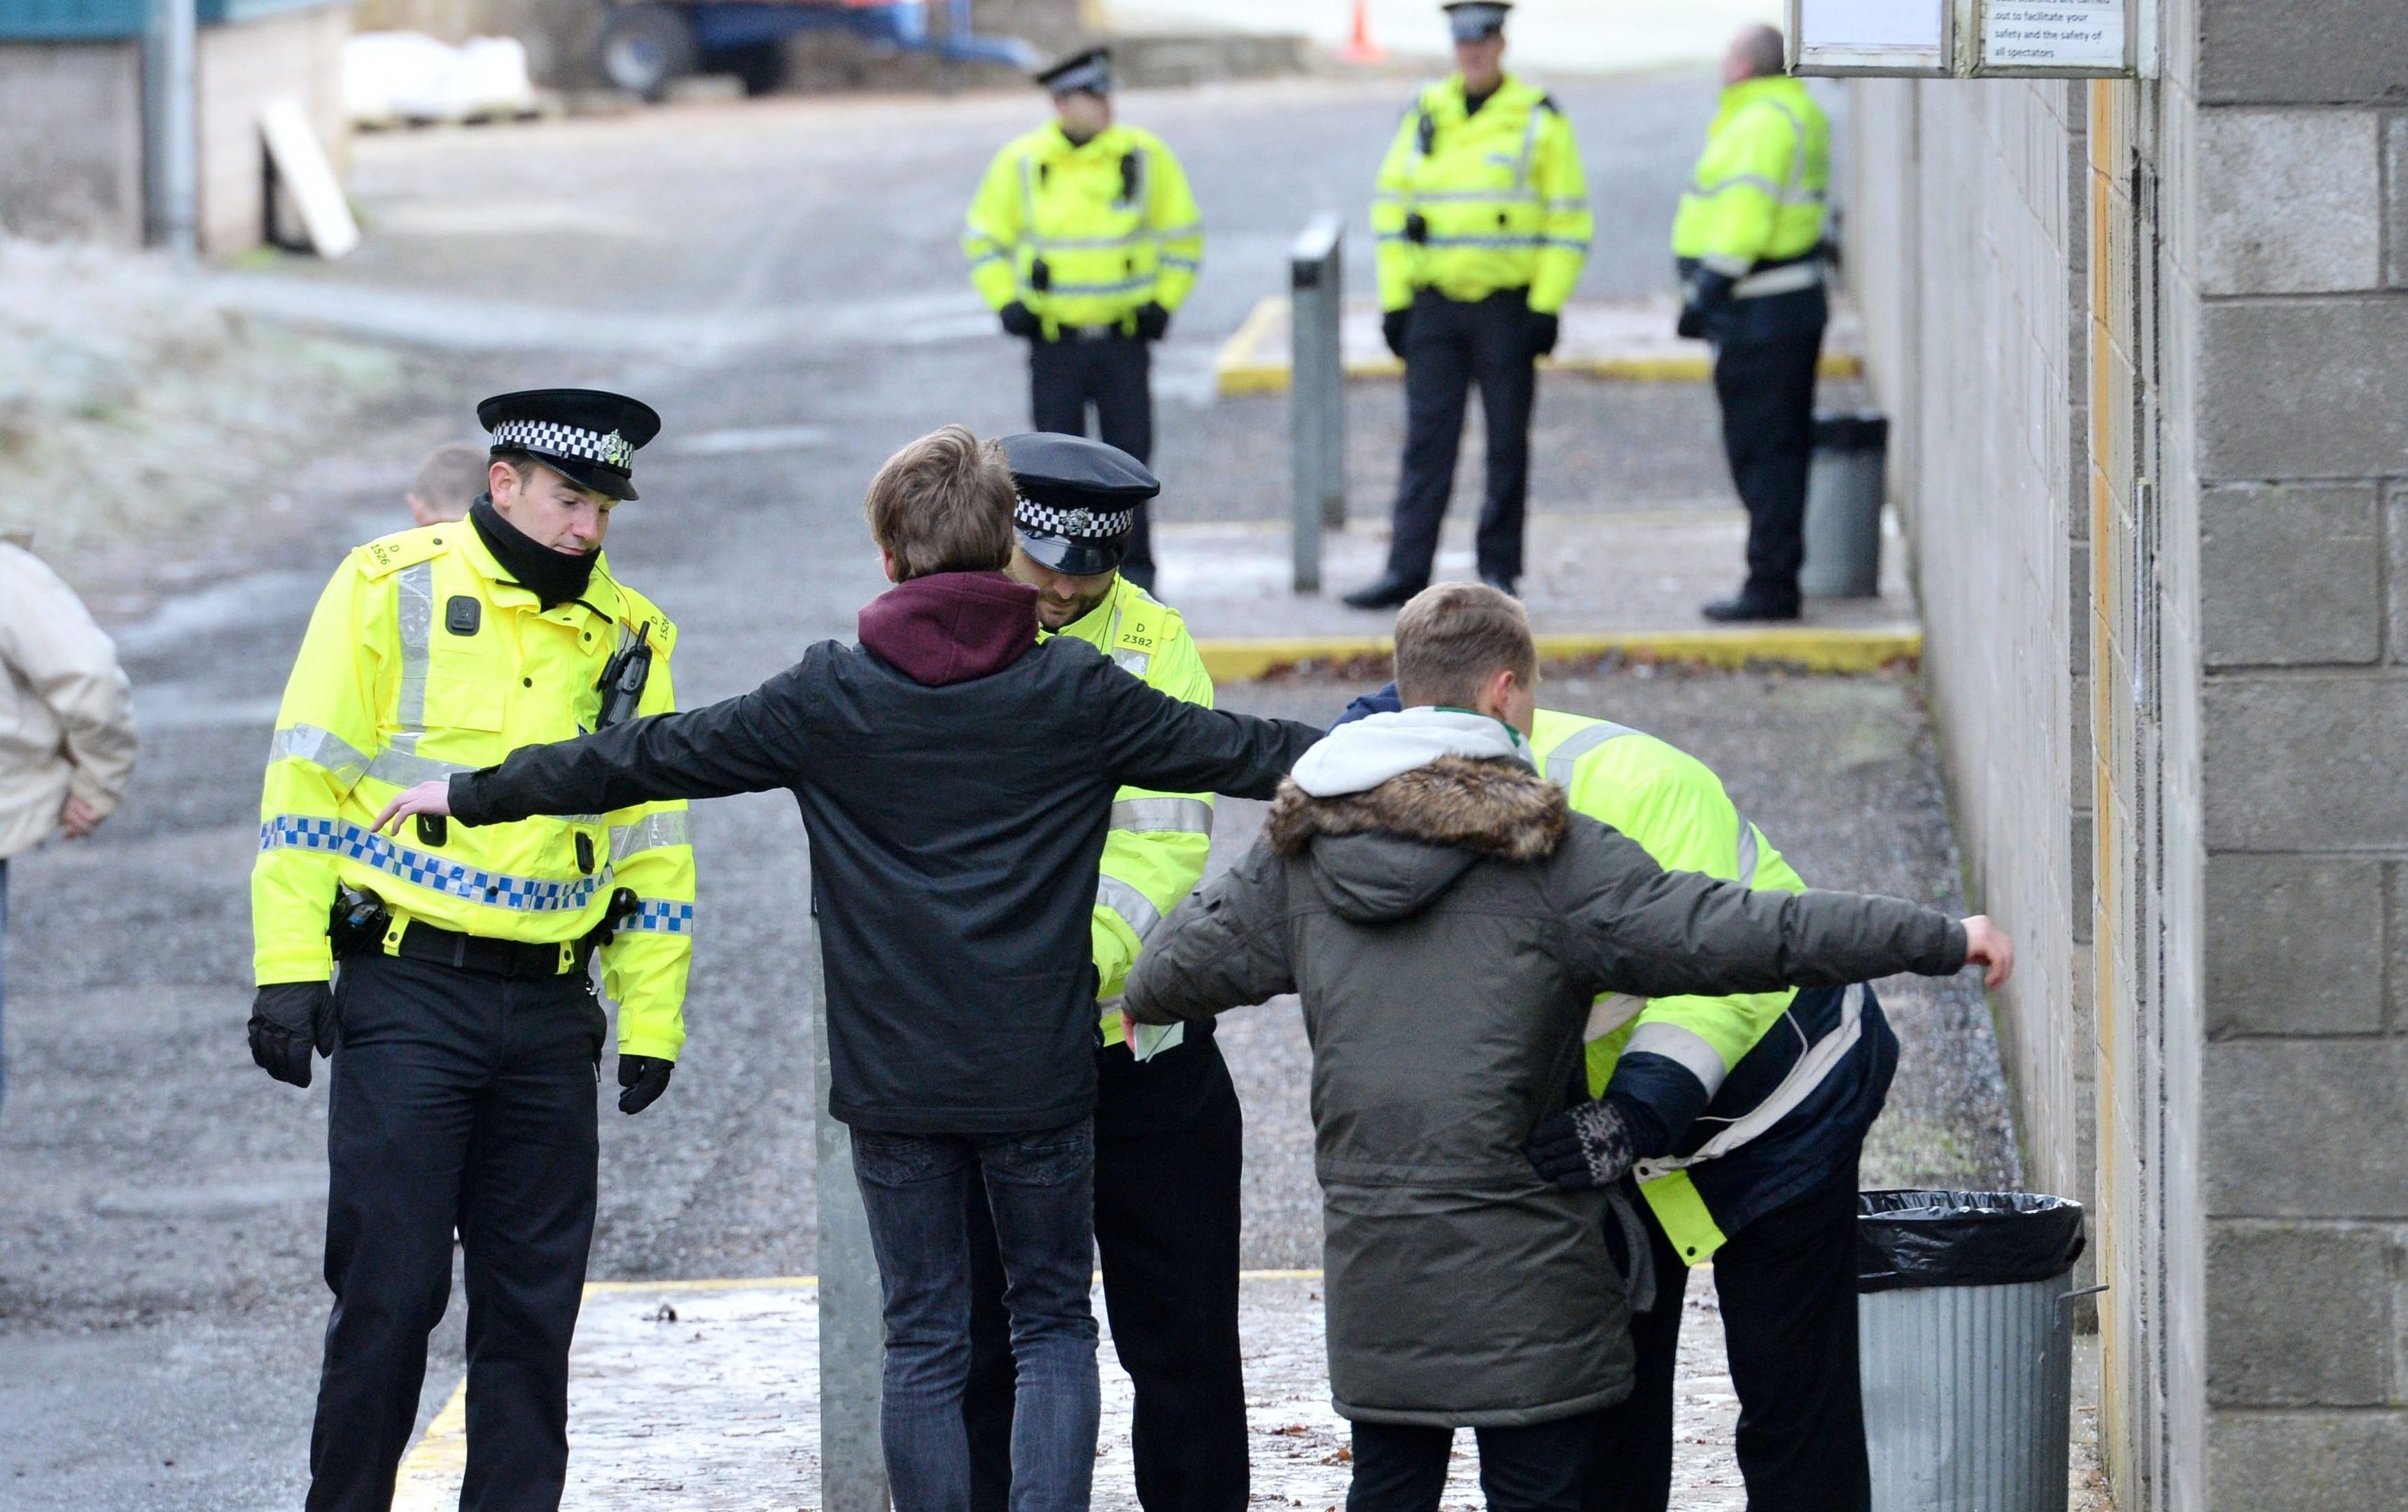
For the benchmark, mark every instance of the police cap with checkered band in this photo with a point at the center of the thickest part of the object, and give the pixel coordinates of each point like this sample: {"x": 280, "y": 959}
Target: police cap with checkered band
{"x": 585, "y": 434}
{"x": 1089, "y": 72}
{"x": 1475, "y": 21}
{"x": 1077, "y": 501}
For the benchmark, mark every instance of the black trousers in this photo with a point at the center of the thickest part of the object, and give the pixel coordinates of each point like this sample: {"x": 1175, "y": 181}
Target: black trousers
{"x": 1169, "y": 1146}
{"x": 459, "y": 1101}
{"x": 1402, "y": 1468}
{"x": 1767, "y": 391}
{"x": 1450, "y": 346}
{"x": 1788, "y": 1284}
{"x": 1115, "y": 375}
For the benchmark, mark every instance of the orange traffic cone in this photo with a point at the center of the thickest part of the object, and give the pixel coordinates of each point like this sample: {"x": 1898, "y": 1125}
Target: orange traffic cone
{"x": 1359, "y": 46}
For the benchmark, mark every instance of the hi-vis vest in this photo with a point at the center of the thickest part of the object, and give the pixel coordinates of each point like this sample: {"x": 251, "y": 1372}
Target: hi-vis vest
{"x": 1154, "y": 855}
{"x": 1674, "y": 806}
{"x": 425, "y": 658}
{"x": 1756, "y": 195}
{"x": 1085, "y": 234}
{"x": 1471, "y": 202}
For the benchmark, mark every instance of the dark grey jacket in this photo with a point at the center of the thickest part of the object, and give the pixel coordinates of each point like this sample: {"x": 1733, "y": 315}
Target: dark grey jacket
{"x": 1448, "y": 930}
{"x": 954, "y": 834}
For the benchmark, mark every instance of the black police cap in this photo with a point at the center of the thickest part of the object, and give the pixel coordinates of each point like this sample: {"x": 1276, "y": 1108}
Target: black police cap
{"x": 1077, "y": 501}
{"x": 586, "y": 434}
{"x": 1090, "y": 71}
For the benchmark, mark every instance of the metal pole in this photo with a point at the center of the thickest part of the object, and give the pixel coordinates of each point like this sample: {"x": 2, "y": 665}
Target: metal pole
{"x": 1316, "y": 392}
{"x": 175, "y": 152}
{"x": 853, "y": 1338}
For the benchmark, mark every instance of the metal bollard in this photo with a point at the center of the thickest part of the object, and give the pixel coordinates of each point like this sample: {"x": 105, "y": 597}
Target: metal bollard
{"x": 853, "y": 1330}
{"x": 1316, "y": 390}
{"x": 1844, "y": 506}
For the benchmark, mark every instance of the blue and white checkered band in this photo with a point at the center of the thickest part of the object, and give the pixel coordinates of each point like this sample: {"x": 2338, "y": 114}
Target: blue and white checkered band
{"x": 1074, "y": 524}
{"x": 1096, "y": 74}
{"x": 552, "y": 438}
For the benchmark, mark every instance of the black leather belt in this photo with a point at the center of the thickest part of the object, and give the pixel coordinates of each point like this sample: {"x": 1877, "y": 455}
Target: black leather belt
{"x": 421, "y": 941}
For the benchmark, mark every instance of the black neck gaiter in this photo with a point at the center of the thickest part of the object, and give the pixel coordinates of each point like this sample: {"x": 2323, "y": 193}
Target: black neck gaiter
{"x": 553, "y": 577}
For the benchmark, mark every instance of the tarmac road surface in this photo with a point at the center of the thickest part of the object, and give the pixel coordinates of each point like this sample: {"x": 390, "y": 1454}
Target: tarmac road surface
{"x": 782, "y": 280}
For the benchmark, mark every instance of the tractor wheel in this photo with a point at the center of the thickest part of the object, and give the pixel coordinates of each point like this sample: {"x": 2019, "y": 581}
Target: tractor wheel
{"x": 646, "y": 47}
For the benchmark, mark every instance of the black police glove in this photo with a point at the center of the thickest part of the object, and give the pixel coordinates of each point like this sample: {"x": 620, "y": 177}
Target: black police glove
{"x": 644, "y": 1079}
{"x": 1706, "y": 291}
{"x": 1586, "y": 1146}
{"x": 1152, "y": 322}
{"x": 289, "y": 1022}
{"x": 1020, "y": 321}
{"x": 1544, "y": 330}
{"x": 1394, "y": 325}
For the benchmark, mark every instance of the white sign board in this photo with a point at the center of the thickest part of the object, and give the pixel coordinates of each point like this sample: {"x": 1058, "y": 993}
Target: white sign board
{"x": 2053, "y": 36}
{"x": 1884, "y": 36}
{"x": 302, "y": 167}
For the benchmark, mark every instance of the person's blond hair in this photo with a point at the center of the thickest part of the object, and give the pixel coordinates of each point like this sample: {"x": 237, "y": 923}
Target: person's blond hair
{"x": 943, "y": 504}
{"x": 1451, "y": 639}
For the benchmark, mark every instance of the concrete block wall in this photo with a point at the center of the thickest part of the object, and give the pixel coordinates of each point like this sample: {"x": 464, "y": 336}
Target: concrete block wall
{"x": 1964, "y": 244}
{"x": 2300, "y": 427}
{"x": 71, "y": 141}
{"x": 240, "y": 68}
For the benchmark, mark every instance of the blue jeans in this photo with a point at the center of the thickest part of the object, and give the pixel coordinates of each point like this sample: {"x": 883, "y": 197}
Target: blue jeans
{"x": 1040, "y": 1189}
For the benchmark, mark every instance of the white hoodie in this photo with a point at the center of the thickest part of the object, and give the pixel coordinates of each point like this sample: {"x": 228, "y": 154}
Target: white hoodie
{"x": 1357, "y": 757}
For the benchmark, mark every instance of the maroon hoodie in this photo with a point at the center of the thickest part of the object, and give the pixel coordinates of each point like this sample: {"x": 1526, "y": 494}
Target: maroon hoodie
{"x": 951, "y": 626}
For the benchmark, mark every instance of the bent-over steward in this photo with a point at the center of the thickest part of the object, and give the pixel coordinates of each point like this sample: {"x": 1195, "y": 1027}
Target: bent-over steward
{"x": 1447, "y": 932}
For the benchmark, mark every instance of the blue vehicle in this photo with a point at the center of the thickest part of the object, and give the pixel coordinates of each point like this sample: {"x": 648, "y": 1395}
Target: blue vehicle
{"x": 647, "y": 45}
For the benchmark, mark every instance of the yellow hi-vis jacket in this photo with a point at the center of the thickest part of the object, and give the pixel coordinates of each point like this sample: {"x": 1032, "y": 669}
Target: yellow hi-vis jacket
{"x": 1155, "y": 854}
{"x": 1674, "y": 806}
{"x": 1758, "y": 190}
{"x": 1083, "y": 234}
{"x": 1496, "y": 196}
{"x": 425, "y": 658}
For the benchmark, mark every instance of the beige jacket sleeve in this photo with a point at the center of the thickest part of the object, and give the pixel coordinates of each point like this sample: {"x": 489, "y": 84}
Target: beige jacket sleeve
{"x": 67, "y": 711}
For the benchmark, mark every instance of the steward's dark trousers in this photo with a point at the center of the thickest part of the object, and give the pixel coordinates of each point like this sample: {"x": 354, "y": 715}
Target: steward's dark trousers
{"x": 1115, "y": 373}
{"x": 458, "y": 1099}
{"x": 1168, "y": 1149}
{"x": 1766, "y": 389}
{"x": 1788, "y": 1284}
{"x": 1402, "y": 1468}
{"x": 1450, "y": 346}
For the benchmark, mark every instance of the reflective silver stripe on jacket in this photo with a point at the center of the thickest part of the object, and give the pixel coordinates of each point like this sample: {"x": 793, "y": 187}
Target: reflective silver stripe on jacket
{"x": 1747, "y": 852}
{"x": 1819, "y": 1062}
{"x": 406, "y": 769}
{"x": 1563, "y": 762}
{"x": 648, "y": 833}
{"x": 1163, "y": 816}
{"x": 1685, "y": 1049}
{"x": 1136, "y": 910}
{"x": 1788, "y": 278}
{"x": 414, "y": 610}
{"x": 322, "y": 748}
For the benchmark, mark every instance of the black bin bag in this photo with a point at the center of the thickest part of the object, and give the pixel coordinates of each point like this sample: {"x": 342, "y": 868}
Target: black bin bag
{"x": 1914, "y": 1238}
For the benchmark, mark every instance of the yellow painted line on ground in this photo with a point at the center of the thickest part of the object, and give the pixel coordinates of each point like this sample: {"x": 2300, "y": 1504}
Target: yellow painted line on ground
{"x": 1236, "y": 369}
{"x": 1814, "y": 650}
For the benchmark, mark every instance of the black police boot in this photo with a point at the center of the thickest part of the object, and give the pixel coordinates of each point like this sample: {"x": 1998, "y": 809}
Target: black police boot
{"x": 1752, "y": 605}
{"x": 1390, "y": 592}
{"x": 1501, "y": 582}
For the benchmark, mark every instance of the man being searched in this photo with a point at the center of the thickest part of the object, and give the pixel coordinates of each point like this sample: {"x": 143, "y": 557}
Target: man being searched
{"x": 1748, "y": 243}
{"x": 1483, "y": 222}
{"x": 1449, "y": 922}
{"x": 1085, "y": 240}
{"x": 1168, "y": 1133}
{"x": 67, "y": 715}
{"x": 449, "y": 479}
{"x": 956, "y": 775}
{"x": 1743, "y": 1118}
{"x": 465, "y": 1028}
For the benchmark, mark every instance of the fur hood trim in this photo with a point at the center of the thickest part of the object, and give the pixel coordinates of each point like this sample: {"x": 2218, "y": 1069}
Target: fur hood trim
{"x": 1497, "y": 808}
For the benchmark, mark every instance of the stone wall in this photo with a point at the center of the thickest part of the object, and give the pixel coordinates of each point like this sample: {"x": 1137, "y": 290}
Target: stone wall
{"x": 71, "y": 141}
{"x": 2147, "y": 345}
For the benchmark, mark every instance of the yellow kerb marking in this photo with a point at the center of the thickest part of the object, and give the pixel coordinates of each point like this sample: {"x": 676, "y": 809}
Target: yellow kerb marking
{"x": 1832, "y": 651}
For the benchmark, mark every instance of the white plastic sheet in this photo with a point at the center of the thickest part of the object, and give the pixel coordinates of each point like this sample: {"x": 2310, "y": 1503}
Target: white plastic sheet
{"x": 393, "y": 77}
